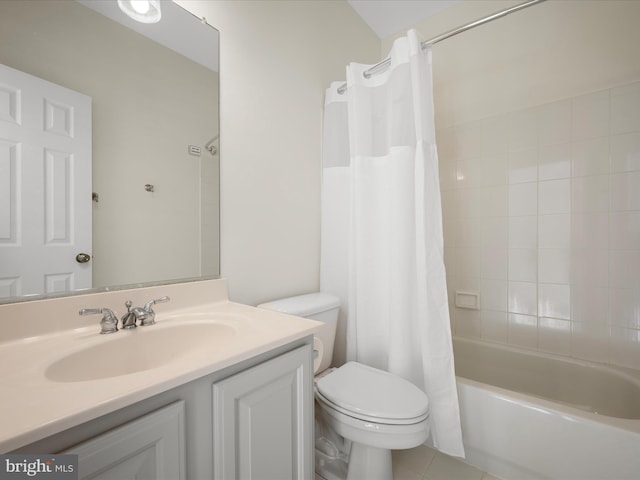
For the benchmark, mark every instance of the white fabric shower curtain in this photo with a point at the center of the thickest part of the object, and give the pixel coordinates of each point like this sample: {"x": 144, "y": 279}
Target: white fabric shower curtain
{"x": 382, "y": 245}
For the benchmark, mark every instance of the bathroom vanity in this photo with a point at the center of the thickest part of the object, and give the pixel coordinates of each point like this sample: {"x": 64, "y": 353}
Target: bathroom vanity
{"x": 223, "y": 391}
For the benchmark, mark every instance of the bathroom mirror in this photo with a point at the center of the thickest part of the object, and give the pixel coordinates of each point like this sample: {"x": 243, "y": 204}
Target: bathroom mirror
{"x": 152, "y": 192}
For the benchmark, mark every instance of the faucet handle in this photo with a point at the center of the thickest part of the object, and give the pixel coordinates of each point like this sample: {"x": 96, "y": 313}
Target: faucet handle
{"x": 150, "y": 318}
{"x": 109, "y": 322}
{"x": 130, "y": 318}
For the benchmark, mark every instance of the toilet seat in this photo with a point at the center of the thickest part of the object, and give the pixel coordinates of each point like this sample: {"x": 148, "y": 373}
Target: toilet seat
{"x": 373, "y": 395}
{"x": 369, "y": 418}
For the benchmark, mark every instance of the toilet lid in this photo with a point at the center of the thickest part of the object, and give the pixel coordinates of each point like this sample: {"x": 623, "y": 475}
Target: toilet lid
{"x": 372, "y": 392}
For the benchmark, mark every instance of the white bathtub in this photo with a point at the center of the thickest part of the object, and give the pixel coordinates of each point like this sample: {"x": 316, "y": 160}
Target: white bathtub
{"x": 527, "y": 415}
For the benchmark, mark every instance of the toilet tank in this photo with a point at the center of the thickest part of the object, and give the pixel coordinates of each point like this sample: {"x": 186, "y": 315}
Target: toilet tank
{"x": 322, "y": 307}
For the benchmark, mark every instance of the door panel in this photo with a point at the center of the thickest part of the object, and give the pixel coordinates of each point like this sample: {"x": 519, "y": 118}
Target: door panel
{"x": 45, "y": 186}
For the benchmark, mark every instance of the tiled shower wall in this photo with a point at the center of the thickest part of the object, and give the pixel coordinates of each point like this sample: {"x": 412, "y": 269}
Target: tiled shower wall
{"x": 541, "y": 213}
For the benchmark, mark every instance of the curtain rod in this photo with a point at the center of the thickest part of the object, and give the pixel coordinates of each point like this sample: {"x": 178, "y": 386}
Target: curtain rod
{"x": 427, "y": 43}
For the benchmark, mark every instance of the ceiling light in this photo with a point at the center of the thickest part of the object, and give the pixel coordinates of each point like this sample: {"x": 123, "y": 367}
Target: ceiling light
{"x": 145, "y": 11}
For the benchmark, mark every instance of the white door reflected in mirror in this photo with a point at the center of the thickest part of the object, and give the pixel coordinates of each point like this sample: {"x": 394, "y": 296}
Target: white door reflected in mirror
{"x": 45, "y": 160}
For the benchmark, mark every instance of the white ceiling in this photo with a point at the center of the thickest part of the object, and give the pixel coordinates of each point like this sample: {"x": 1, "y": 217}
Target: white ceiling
{"x": 197, "y": 40}
{"x": 386, "y": 17}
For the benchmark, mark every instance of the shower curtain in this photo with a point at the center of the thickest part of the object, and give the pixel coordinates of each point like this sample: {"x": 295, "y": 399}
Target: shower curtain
{"x": 382, "y": 246}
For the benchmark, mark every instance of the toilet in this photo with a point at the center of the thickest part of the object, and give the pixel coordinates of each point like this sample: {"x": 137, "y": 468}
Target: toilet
{"x": 372, "y": 410}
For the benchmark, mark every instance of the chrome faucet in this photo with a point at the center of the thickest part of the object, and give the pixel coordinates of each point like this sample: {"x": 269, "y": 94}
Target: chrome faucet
{"x": 145, "y": 315}
{"x": 109, "y": 322}
{"x": 150, "y": 318}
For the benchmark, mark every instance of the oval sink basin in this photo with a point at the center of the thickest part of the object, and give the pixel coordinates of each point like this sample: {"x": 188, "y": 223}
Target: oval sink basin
{"x": 136, "y": 350}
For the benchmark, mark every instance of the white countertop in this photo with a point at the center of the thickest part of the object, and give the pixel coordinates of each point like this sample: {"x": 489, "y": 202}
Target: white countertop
{"x": 34, "y": 407}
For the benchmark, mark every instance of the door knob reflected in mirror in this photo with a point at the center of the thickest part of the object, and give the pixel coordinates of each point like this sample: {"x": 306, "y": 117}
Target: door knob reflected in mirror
{"x": 83, "y": 257}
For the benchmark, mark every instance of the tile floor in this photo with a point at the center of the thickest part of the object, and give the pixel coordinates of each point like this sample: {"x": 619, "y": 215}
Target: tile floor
{"x": 423, "y": 463}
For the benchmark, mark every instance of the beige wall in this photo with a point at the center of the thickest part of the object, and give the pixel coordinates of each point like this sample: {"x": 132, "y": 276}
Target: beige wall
{"x": 277, "y": 58}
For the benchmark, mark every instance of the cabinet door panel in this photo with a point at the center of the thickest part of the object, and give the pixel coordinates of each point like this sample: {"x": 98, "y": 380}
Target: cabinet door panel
{"x": 149, "y": 448}
{"x": 263, "y": 421}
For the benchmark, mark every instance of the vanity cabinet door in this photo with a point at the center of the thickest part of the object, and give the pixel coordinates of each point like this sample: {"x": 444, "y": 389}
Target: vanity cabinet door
{"x": 263, "y": 418}
{"x": 151, "y": 447}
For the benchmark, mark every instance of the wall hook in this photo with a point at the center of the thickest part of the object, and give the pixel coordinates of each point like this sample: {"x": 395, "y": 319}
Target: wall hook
{"x": 149, "y": 188}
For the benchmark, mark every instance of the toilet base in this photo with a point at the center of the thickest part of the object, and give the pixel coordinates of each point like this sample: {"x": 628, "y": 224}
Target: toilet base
{"x": 369, "y": 463}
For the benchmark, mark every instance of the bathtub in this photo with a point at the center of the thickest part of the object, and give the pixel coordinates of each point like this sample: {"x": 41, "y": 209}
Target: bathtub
{"x": 529, "y": 415}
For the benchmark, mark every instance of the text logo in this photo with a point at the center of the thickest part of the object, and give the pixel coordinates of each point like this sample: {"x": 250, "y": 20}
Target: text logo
{"x": 49, "y": 467}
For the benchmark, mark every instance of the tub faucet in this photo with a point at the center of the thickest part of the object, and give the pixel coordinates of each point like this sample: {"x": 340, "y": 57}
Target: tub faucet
{"x": 144, "y": 315}
{"x": 109, "y": 322}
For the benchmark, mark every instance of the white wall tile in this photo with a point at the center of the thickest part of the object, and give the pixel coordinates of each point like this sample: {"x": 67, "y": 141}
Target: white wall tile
{"x": 554, "y": 161}
{"x": 468, "y": 262}
{"x": 625, "y": 152}
{"x": 449, "y": 229}
{"x": 450, "y": 255}
{"x": 590, "y": 266}
{"x": 547, "y": 224}
{"x": 493, "y": 295}
{"x": 589, "y": 303}
{"x": 468, "y": 232}
{"x": 624, "y": 268}
{"x": 523, "y": 232}
{"x": 445, "y": 139}
{"x": 471, "y": 202}
{"x": 590, "y": 341}
{"x": 495, "y": 232}
{"x": 468, "y": 323}
{"x": 625, "y": 109}
{"x": 624, "y": 230}
{"x": 495, "y": 169}
{"x": 590, "y": 194}
{"x": 468, "y": 283}
{"x": 523, "y": 165}
{"x": 447, "y": 169}
{"x": 469, "y": 172}
{"x": 625, "y": 347}
{"x": 554, "y": 196}
{"x": 523, "y": 298}
{"x": 494, "y": 264}
{"x": 625, "y": 191}
{"x": 495, "y": 135}
{"x": 522, "y": 330}
{"x": 554, "y": 335}
{"x": 554, "y": 301}
{"x": 493, "y": 201}
{"x": 523, "y": 129}
{"x": 590, "y": 157}
{"x": 522, "y": 265}
{"x": 554, "y": 265}
{"x": 523, "y": 199}
{"x": 494, "y": 326}
{"x": 449, "y": 199}
{"x": 554, "y": 123}
{"x": 590, "y": 115}
{"x": 590, "y": 230}
{"x": 625, "y": 307}
{"x": 468, "y": 140}
{"x": 554, "y": 231}
{"x": 452, "y": 281}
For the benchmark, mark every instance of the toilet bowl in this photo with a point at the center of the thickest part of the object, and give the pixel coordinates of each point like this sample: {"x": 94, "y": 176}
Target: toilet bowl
{"x": 374, "y": 410}
{"x": 377, "y": 411}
